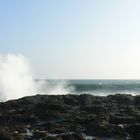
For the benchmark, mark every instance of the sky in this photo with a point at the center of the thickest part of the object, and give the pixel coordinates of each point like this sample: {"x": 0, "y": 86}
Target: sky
{"x": 74, "y": 39}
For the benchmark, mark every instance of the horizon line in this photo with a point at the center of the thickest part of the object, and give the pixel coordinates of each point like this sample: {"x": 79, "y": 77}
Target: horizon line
{"x": 79, "y": 79}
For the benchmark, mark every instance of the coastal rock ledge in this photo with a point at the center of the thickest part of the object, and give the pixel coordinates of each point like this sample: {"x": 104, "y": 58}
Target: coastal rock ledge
{"x": 71, "y": 117}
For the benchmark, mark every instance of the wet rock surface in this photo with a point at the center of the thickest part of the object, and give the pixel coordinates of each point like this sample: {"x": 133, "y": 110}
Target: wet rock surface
{"x": 71, "y": 117}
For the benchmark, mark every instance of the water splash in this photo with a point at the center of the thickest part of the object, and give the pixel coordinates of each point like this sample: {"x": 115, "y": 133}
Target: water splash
{"x": 16, "y": 79}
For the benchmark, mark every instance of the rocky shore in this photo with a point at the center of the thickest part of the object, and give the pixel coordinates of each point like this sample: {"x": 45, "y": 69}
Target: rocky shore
{"x": 71, "y": 117}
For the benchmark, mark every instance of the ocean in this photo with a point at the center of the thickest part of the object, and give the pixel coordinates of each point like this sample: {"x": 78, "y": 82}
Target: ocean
{"x": 100, "y": 87}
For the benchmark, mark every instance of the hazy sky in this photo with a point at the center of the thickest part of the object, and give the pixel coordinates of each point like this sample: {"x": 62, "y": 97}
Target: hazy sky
{"x": 77, "y": 39}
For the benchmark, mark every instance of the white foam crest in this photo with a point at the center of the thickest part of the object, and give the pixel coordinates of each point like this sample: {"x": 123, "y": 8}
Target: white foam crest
{"x": 57, "y": 87}
{"x": 16, "y": 79}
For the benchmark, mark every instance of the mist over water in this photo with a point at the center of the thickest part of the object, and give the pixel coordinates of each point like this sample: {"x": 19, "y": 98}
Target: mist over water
{"x": 16, "y": 79}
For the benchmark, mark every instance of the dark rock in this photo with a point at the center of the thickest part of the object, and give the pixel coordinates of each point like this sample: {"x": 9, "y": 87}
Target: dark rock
{"x": 137, "y": 100}
{"x": 39, "y": 134}
{"x": 133, "y": 129}
{"x": 74, "y": 136}
{"x": 97, "y": 129}
{"x": 4, "y": 135}
{"x": 121, "y": 99}
{"x": 122, "y": 120}
{"x": 68, "y": 116}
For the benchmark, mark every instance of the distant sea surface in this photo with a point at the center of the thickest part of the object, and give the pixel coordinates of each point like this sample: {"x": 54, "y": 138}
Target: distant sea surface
{"x": 101, "y": 87}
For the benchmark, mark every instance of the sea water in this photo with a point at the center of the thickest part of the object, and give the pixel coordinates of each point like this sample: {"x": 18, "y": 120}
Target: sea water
{"x": 101, "y": 87}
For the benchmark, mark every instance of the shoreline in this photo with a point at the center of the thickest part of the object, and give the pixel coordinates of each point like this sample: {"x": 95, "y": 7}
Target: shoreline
{"x": 73, "y": 94}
